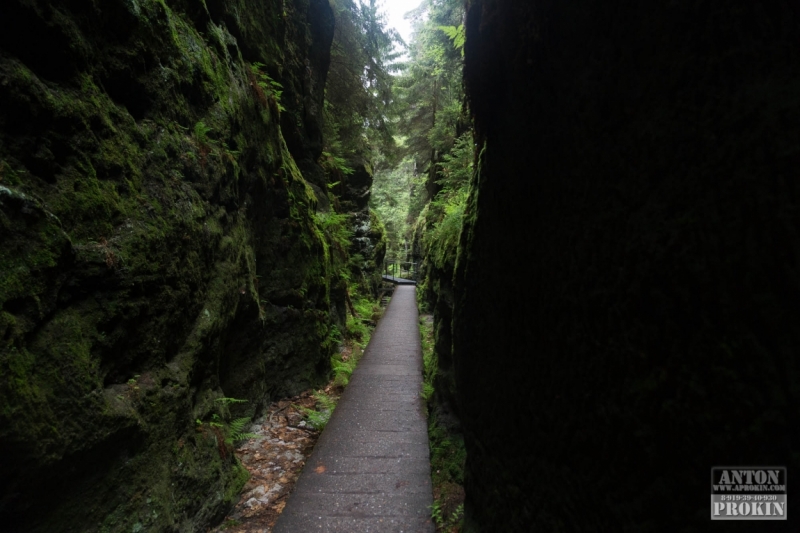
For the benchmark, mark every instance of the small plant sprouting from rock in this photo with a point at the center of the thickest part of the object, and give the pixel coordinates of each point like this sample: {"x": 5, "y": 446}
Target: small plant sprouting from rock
{"x": 133, "y": 389}
{"x": 266, "y": 87}
{"x": 436, "y": 513}
{"x": 318, "y": 418}
{"x": 336, "y": 166}
{"x": 453, "y": 522}
{"x": 201, "y": 132}
{"x": 208, "y": 146}
{"x": 231, "y": 429}
{"x": 235, "y": 431}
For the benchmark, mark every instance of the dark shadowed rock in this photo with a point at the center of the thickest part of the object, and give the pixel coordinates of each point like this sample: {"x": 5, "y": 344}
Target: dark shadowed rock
{"x": 627, "y": 287}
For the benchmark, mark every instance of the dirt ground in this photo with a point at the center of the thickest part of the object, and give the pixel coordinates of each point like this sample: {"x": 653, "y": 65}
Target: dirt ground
{"x": 274, "y": 461}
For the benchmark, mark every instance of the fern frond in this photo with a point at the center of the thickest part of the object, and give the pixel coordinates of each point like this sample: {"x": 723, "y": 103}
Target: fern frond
{"x": 316, "y": 419}
{"x": 324, "y": 401}
{"x": 238, "y": 424}
{"x": 427, "y": 391}
{"x": 457, "y": 34}
{"x": 236, "y": 437}
{"x": 235, "y": 433}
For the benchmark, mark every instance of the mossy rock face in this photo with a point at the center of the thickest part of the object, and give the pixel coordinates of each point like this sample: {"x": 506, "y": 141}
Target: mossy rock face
{"x": 159, "y": 250}
{"x": 367, "y": 250}
{"x": 439, "y": 268}
{"x": 351, "y": 195}
{"x": 437, "y": 262}
{"x": 626, "y": 293}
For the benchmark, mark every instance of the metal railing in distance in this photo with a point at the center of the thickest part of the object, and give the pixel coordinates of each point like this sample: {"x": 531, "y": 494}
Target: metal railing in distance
{"x": 400, "y": 269}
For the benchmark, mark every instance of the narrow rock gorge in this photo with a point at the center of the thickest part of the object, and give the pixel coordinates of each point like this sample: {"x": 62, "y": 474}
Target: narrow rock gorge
{"x": 599, "y": 199}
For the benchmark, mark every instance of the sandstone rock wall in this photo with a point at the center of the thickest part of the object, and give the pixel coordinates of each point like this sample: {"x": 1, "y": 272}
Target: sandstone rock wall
{"x": 627, "y": 290}
{"x": 158, "y": 249}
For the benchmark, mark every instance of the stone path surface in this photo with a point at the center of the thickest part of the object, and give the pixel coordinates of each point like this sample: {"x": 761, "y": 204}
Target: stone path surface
{"x": 370, "y": 469}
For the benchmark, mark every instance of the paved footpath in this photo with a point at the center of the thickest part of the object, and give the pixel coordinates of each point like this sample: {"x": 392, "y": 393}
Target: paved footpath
{"x": 370, "y": 469}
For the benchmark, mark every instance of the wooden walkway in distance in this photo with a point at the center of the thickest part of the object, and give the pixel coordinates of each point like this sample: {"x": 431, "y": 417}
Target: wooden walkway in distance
{"x": 399, "y": 281}
{"x": 370, "y": 469}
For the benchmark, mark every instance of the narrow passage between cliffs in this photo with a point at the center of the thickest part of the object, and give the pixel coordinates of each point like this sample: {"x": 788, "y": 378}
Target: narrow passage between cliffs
{"x": 370, "y": 469}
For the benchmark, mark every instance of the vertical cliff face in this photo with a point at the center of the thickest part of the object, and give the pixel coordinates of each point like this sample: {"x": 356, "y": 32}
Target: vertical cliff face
{"x": 158, "y": 249}
{"x": 368, "y": 246}
{"x": 642, "y": 159}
